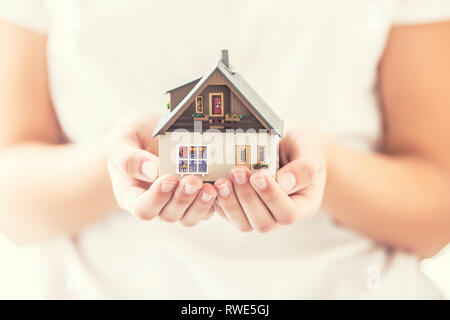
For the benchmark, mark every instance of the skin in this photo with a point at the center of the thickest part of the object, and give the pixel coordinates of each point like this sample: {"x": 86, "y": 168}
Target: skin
{"x": 133, "y": 167}
{"x": 261, "y": 203}
{"x": 405, "y": 192}
{"x": 47, "y": 187}
{"x": 399, "y": 196}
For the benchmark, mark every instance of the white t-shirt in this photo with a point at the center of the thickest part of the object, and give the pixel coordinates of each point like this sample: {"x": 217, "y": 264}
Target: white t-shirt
{"x": 310, "y": 60}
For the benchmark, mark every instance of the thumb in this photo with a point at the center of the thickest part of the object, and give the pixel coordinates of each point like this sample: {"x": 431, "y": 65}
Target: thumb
{"x": 140, "y": 164}
{"x": 133, "y": 161}
{"x": 295, "y": 176}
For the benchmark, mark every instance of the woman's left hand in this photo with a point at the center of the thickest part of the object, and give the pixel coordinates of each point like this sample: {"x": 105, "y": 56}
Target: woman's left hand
{"x": 257, "y": 201}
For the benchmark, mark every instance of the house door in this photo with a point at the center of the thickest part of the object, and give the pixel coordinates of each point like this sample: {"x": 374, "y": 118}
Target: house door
{"x": 216, "y": 104}
{"x": 243, "y": 156}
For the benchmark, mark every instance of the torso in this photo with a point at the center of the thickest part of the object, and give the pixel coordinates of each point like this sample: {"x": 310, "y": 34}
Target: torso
{"x": 311, "y": 61}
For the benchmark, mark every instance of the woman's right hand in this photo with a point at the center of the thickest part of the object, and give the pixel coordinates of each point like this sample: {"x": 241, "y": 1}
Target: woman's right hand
{"x": 133, "y": 168}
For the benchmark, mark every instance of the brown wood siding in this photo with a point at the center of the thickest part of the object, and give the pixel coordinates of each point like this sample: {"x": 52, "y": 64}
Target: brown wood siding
{"x": 248, "y": 119}
{"x": 216, "y": 89}
{"x": 179, "y": 93}
{"x": 218, "y": 79}
{"x": 185, "y": 121}
{"x": 233, "y": 103}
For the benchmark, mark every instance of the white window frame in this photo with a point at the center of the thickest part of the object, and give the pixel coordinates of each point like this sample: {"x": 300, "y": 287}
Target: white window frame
{"x": 189, "y": 159}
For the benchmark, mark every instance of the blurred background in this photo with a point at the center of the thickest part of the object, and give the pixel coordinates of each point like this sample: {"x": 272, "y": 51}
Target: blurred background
{"x": 23, "y": 270}
{"x": 21, "y": 273}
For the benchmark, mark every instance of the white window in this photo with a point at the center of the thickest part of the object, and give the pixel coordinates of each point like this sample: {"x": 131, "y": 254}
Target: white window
{"x": 242, "y": 155}
{"x": 192, "y": 159}
{"x": 261, "y": 154}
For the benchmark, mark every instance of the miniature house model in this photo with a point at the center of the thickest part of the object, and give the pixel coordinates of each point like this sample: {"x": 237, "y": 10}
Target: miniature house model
{"x": 215, "y": 123}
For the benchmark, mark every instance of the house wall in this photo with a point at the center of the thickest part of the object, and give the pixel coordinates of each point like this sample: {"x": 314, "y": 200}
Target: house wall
{"x": 232, "y": 104}
{"x": 176, "y": 95}
{"x": 248, "y": 119}
{"x": 216, "y": 89}
{"x": 185, "y": 121}
{"x": 221, "y": 151}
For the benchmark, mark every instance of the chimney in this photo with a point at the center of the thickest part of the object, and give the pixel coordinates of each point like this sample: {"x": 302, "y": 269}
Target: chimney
{"x": 225, "y": 58}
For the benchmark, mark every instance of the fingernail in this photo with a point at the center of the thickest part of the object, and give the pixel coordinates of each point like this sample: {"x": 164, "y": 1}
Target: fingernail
{"x": 190, "y": 189}
{"x": 167, "y": 186}
{"x": 240, "y": 176}
{"x": 149, "y": 170}
{"x": 287, "y": 181}
{"x": 206, "y": 197}
{"x": 259, "y": 182}
{"x": 224, "y": 190}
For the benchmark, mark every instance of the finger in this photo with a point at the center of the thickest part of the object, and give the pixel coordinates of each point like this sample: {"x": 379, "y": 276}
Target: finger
{"x": 286, "y": 209}
{"x": 209, "y": 214}
{"x": 257, "y": 213}
{"x": 283, "y": 208}
{"x": 230, "y": 205}
{"x": 296, "y": 175}
{"x": 126, "y": 190}
{"x": 184, "y": 195}
{"x": 126, "y": 152}
{"x": 200, "y": 207}
{"x": 219, "y": 210}
{"x": 149, "y": 204}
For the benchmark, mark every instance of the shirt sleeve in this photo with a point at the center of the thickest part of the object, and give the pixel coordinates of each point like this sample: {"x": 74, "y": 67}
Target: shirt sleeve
{"x": 421, "y": 11}
{"x": 31, "y": 14}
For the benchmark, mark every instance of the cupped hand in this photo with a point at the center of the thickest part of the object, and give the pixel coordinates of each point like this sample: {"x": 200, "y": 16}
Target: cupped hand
{"x": 133, "y": 167}
{"x": 255, "y": 201}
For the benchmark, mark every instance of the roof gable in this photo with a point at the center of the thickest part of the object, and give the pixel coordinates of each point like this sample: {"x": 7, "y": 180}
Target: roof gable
{"x": 253, "y": 99}
{"x": 193, "y": 82}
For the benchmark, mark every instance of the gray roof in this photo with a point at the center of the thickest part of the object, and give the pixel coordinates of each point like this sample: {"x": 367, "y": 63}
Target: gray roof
{"x": 183, "y": 85}
{"x": 253, "y": 99}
